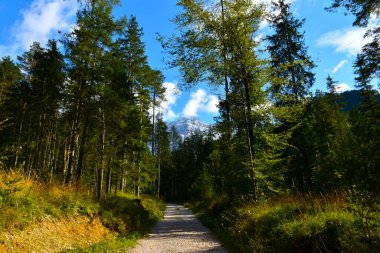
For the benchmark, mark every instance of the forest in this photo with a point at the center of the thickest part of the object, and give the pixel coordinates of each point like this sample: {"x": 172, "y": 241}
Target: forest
{"x": 283, "y": 169}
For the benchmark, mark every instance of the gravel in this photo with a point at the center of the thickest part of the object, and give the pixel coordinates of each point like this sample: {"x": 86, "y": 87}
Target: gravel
{"x": 179, "y": 231}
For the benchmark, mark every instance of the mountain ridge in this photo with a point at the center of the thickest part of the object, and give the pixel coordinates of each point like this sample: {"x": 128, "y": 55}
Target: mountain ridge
{"x": 188, "y": 126}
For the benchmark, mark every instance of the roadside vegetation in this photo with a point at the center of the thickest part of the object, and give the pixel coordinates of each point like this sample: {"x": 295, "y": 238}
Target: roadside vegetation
{"x": 305, "y": 223}
{"x": 37, "y": 217}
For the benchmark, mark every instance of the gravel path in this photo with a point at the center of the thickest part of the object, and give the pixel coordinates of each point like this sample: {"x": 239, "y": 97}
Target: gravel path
{"x": 180, "y": 231}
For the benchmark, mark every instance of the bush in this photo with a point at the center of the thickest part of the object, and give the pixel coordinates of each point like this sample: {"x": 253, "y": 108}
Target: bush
{"x": 122, "y": 213}
{"x": 296, "y": 224}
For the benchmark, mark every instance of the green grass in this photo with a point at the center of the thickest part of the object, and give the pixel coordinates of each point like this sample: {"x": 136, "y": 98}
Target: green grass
{"x": 130, "y": 221}
{"x": 114, "y": 245}
{"x": 23, "y": 202}
{"x": 121, "y": 213}
{"x": 294, "y": 224}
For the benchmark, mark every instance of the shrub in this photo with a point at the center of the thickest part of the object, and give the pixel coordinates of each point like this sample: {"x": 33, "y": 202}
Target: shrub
{"x": 297, "y": 224}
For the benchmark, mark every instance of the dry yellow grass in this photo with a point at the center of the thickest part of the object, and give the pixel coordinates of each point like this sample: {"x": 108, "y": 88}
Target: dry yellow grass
{"x": 54, "y": 235}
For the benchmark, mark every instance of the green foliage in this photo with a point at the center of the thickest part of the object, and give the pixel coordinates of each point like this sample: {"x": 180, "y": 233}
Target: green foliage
{"x": 24, "y": 202}
{"x": 291, "y": 67}
{"x": 365, "y": 206}
{"x": 10, "y": 184}
{"x": 203, "y": 186}
{"x": 293, "y": 224}
{"x": 123, "y": 214}
{"x": 114, "y": 245}
{"x": 361, "y": 9}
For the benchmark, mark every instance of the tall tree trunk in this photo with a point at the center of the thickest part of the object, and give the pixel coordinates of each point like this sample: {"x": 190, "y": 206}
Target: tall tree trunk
{"x": 18, "y": 148}
{"x": 225, "y": 73}
{"x": 71, "y": 153}
{"x": 81, "y": 152}
{"x": 250, "y": 134}
{"x": 154, "y": 122}
{"x": 109, "y": 173}
{"x": 159, "y": 175}
{"x": 101, "y": 161}
{"x": 27, "y": 148}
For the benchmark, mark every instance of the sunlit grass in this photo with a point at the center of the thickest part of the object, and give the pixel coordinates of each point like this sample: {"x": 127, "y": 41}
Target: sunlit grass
{"x": 301, "y": 223}
{"x": 25, "y": 203}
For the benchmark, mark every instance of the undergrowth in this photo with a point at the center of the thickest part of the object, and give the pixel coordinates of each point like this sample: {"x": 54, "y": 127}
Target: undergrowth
{"x": 333, "y": 223}
{"x": 24, "y": 201}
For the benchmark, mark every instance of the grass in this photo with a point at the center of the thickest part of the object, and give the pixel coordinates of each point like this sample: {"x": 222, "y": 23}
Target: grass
{"x": 25, "y": 203}
{"x": 334, "y": 223}
{"x": 113, "y": 244}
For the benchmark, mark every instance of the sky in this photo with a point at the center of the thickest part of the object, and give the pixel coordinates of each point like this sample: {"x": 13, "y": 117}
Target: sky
{"x": 332, "y": 43}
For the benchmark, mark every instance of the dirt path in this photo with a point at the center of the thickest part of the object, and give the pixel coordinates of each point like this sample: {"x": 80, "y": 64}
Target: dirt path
{"x": 180, "y": 231}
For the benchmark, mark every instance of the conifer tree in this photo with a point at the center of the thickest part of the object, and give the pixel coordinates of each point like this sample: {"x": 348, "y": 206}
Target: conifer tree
{"x": 367, "y": 67}
{"x": 88, "y": 50}
{"x": 9, "y": 75}
{"x": 218, "y": 47}
{"x": 290, "y": 63}
{"x": 42, "y": 99}
{"x": 291, "y": 79}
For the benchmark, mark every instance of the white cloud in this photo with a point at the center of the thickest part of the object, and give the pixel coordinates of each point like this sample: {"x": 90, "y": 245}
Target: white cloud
{"x": 348, "y": 41}
{"x": 342, "y": 87}
{"x": 170, "y": 97}
{"x": 212, "y": 104}
{"x": 200, "y": 101}
{"x": 339, "y": 65}
{"x": 40, "y": 21}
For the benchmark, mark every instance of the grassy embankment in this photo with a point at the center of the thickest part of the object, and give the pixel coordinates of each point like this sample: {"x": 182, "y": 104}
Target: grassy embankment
{"x": 334, "y": 223}
{"x": 40, "y": 218}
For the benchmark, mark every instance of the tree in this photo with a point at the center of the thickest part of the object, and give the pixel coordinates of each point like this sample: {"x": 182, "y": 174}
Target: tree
{"x": 291, "y": 79}
{"x": 361, "y": 9}
{"x": 367, "y": 67}
{"x": 140, "y": 84}
{"x": 216, "y": 45}
{"x": 292, "y": 75}
{"x": 88, "y": 50}
{"x": 40, "y": 95}
{"x": 9, "y": 75}
{"x": 164, "y": 159}
{"x": 368, "y": 61}
{"x": 200, "y": 50}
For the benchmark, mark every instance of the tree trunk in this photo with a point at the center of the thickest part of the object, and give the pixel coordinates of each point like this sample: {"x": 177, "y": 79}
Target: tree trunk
{"x": 71, "y": 153}
{"x": 101, "y": 161}
{"x": 250, "y": 135}
{"x": 225, "y": 73}
{"x": 81, "y": 153}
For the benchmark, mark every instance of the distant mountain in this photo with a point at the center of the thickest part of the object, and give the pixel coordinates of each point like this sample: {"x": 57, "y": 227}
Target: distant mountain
{"x": 351, "y": 99}
{"x": 187, "y": 126}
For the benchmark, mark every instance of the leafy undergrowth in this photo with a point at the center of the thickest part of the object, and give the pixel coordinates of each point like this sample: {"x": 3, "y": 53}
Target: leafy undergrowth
{"x": 296, "y": 224}
{"x": 39, "y": 218}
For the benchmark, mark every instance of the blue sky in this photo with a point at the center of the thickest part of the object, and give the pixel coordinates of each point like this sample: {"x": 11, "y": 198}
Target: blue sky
{"x": 333, "y": 42}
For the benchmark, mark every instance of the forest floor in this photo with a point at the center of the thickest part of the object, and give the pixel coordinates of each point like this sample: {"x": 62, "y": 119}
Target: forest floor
{"x": 179, "y": 231}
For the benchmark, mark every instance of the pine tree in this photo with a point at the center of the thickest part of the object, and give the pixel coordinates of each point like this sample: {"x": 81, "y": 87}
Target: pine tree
{"x": 88, "y": 50}
{"x": 218, "y": 47}
{"x": 42, "y": 97}
{"x": 291, "y": 79}
{"x": 9, "y": 75}
{"x": 291, "y": 66}
{"x": 140, "y": 87}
